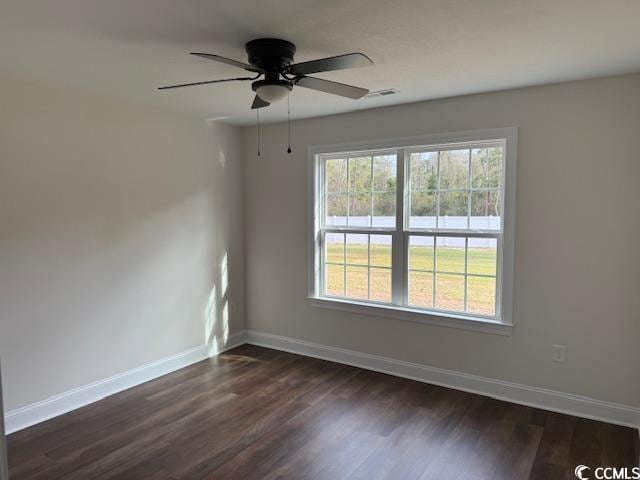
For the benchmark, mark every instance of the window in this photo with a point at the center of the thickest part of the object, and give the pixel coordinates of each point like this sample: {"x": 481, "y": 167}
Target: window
{"x": 420, "y": 227}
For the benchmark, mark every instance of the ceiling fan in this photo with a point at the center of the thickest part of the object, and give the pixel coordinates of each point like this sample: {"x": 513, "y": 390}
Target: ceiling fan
{"x": 273, "y": 59}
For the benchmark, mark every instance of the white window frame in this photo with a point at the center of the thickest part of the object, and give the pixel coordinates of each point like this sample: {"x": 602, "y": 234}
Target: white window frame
{"x": 501, "y": 323}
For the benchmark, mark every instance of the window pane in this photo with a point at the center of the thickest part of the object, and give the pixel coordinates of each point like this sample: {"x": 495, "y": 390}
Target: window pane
{"x": 420, "y": 253}
{"x": 482, "y": 255}
{"x": 421, "y": 289}
{"x": 357, "y": 282}
{"x": 450, "y": 254}
{"x": 486, "y": 167}
{"x": 380, "y": 279}
{"x": 336, "y": 209}
{"x": 454, "y": 169}
{"x": 481, "y": 295}
{"x": 424, "y": 170}
{"x": 450, "y": 292}
{"x": 485, "y": 210}
{"x": 360, "y": 210}
{"x": 453, "y": 210}
{"x": 334, "y": 243}
{"x": 357, "y": 249}
{"x": 384, "y": 210}
{"x": 423, "y": 210}
{"x": 334, "y": 280}
{"x": 360, "y": 174}
{"x": 380, "y": 251}
{"x": 336, "y": 175}
{"x": 384, "y": 173}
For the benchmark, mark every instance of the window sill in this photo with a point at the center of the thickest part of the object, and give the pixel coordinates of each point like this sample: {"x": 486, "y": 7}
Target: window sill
{"x": 412, "y": 315}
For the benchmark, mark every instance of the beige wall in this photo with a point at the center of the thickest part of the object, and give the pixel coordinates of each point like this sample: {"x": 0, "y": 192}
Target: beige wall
{"x": 578, "y": 229}
{"x": 115, "y": 220}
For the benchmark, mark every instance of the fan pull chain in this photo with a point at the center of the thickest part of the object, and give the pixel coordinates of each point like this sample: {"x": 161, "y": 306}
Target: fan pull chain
{"x": 289, "y": 120}
{"x": 258, "y": 128}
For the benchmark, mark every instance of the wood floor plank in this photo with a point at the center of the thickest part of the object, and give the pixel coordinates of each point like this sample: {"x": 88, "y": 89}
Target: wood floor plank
{"x": 519, "y": 459}
{"x": 556, "y": 439}
{"x": 256, "y": 413}
{"x": 586, "y": 445}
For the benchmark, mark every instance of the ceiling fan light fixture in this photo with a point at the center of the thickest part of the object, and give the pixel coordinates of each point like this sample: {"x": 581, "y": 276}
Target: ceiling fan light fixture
{"x": 272, "y": 93}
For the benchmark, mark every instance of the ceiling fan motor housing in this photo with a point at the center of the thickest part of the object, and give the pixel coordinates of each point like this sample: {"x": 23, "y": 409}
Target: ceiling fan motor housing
{"x": 270, "y": 54}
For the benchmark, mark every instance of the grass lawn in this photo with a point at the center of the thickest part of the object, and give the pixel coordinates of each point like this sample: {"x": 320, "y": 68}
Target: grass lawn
{"x": 375, "y": 282}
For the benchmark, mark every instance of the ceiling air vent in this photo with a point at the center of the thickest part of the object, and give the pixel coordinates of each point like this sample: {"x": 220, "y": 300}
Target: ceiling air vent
{"x": 382, "y": 93}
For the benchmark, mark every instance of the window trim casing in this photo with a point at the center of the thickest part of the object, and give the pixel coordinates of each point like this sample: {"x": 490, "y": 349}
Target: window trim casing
{"x": 506, "y": 259}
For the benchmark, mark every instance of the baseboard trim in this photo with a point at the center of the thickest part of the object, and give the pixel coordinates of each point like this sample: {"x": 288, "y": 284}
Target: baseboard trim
{"x": 561, "y": 402}
{"x": 34, "y": 413}
{"x": 512, "y": 392}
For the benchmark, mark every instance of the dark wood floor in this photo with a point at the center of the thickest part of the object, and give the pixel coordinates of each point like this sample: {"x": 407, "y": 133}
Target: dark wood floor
{"x": 255, "y": 413}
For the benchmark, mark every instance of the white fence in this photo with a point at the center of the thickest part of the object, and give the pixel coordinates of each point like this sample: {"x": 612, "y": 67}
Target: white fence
{"x": 455, "y": 223}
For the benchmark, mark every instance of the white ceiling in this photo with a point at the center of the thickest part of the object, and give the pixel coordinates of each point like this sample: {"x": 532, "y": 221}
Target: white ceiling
{"x": 424, "y": 48}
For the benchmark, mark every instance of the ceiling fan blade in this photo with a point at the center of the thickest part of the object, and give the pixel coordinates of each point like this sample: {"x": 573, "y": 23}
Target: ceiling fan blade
{"x": 335, "y": 88}
{"x": 259, "y": 103}
{"x": 207, "y": 82}
{"x": 350, "y": 60}
{"x": 228, "y": 61}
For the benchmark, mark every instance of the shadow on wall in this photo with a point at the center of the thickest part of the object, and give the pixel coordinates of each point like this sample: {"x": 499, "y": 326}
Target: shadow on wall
{"x": 216, "y": 312}
{"x": 219, "y": 304}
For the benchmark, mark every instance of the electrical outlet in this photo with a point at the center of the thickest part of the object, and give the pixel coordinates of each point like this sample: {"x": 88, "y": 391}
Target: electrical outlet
{"x": 559, "y": 353}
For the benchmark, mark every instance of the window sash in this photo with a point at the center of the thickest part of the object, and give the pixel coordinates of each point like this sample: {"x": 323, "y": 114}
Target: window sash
{"x": 498, "y": 276}
{"x": 401, "y": 232}
{"x": 369, "y": 266}
{"x": 322, "y": 159}
{"x": 407, "y": 152}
